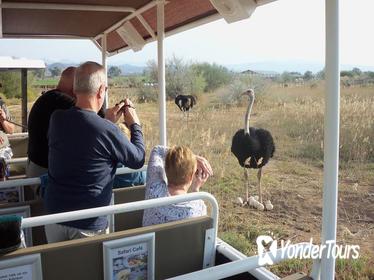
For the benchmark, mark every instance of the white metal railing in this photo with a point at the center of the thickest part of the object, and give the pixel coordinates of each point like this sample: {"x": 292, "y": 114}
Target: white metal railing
{"x": 36, "y": 180}
{"x": 241, "y": 266}
{"x": 20, "y": 160}
{"x": 122, "y": 208}
{"x": 233, "y": 254}
{"x": 129, "y": 207}
{"x": 18, "y": 135}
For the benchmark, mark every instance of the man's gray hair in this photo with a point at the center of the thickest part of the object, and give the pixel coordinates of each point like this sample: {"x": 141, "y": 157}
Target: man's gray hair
{"x": 88, "y": 78}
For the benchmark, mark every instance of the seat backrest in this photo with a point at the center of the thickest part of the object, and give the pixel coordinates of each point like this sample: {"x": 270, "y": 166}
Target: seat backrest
{"x": 19, "y": 145}
{"x": 128, "y": 220}
{"x": 36, "y": 209}
{"x": 122, "y": 221}
{"x": 179, "y": 249}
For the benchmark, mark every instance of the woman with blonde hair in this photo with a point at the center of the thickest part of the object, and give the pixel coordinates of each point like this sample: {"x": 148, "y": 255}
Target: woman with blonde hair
{"x": 175, "y": 171}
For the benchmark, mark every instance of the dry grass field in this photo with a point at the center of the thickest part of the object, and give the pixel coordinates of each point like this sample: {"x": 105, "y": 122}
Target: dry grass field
{"x": 293, "y": 178}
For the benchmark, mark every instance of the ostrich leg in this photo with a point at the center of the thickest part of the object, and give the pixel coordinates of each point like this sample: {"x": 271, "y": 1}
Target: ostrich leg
{"x": 246, "y": 176}
{"x": 259, "y": 175}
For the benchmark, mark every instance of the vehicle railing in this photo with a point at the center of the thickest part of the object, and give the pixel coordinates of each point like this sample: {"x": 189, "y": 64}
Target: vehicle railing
{"x": 244, "y": 265}
{"x": 37, "y": 181}
{"x": 233, "y": 254}
{"x": 130, "y": 207}
{"x": 19, "y": 161}
{"x": 18, "y": 135}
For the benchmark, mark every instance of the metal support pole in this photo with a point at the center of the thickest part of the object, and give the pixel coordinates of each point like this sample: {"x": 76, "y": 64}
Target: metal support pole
{"x": 24, "y": 98}
{"x": 331, "y": 142}
{"x": 104, "y": 63}
{"x": 1, "y": 20}
{"x": 161, "y": 70}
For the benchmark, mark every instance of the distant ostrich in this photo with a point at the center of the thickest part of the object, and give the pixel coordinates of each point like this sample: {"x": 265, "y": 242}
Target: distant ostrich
{"x": 185, "y": 103}
{"x": 253, "y": 147}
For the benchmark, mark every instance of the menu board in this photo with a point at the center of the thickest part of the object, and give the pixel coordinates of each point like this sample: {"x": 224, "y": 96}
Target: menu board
{"x": 129, "y": 258}
{"x": 27, "y": 267}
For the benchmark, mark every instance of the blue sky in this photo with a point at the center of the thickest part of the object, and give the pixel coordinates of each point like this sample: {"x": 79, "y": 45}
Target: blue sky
{"x": 281, "y": 31}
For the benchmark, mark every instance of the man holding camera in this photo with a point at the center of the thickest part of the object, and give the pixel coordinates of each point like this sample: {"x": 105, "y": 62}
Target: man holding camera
{"x": 84, "y": 151}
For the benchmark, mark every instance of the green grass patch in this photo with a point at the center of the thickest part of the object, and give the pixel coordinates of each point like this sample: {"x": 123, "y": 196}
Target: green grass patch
{"x": 46, "y": 82}
{"x": 291, "y": 266}
{"x": 238, "y": 241}
{"x": 347, "y": 269}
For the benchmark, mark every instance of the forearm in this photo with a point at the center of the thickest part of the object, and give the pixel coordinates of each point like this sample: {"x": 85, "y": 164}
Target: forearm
{"x": 156, "y": 163}
{"x": 137, "y": 136}
{"x": 7, "y": 126}
{"x": 137, "y": 148}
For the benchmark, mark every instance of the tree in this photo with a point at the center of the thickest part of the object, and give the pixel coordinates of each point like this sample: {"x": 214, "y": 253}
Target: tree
{"x": 55, "y": 71}
{"x": 356, "y": 71}
{"x": 39, "y": 73}
{"x": 348, "y": 74}
{"x": 151, "y": 71}
{"x": 177, "y": 80}
{"x": 308, "y": 75}
{"x": 215, "y": 75}
{"x": 286, "y": 77}
{"x": 181, "y": 78}
{"x": 370, "y": 74}
{"x": 321, "y": 74}
{"x": 11, "y": 83}
{"x": 114, "y": 71}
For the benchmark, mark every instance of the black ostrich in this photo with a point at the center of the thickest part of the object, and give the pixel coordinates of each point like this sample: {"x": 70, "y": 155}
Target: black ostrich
{"x": 253, "y": 147}
{"x": 185, "y": 103}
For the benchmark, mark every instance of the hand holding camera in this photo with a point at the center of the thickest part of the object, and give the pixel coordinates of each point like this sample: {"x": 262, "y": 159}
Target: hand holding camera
{"x": 129, "y": 114}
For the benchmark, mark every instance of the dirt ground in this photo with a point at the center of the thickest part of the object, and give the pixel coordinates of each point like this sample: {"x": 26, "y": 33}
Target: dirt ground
{"x": 297, "y": 200}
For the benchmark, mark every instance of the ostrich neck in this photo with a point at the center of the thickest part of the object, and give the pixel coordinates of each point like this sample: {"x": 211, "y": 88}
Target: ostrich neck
{"x": 248, "y": 115}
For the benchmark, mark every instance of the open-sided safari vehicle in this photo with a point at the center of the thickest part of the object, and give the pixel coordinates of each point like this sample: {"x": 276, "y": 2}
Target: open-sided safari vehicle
{"x": 187, "y": 249}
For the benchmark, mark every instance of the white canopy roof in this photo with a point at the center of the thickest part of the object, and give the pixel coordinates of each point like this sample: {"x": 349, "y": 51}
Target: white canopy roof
{"x": 7, "y": 62}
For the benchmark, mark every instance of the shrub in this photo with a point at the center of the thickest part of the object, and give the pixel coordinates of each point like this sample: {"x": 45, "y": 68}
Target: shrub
{"x": 180, "y": 77}
{"x": 215, "y": 75}
{"x": 232, "y": 94}
{"x": 147, "y": 94}
{"x": 11, "y": 84}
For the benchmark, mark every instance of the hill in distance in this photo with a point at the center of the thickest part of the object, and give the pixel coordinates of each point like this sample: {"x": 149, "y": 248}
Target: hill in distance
{"x": 290, "y": 66}
{"x": 263, "y": 66}
{"x": 126, "y": 69}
